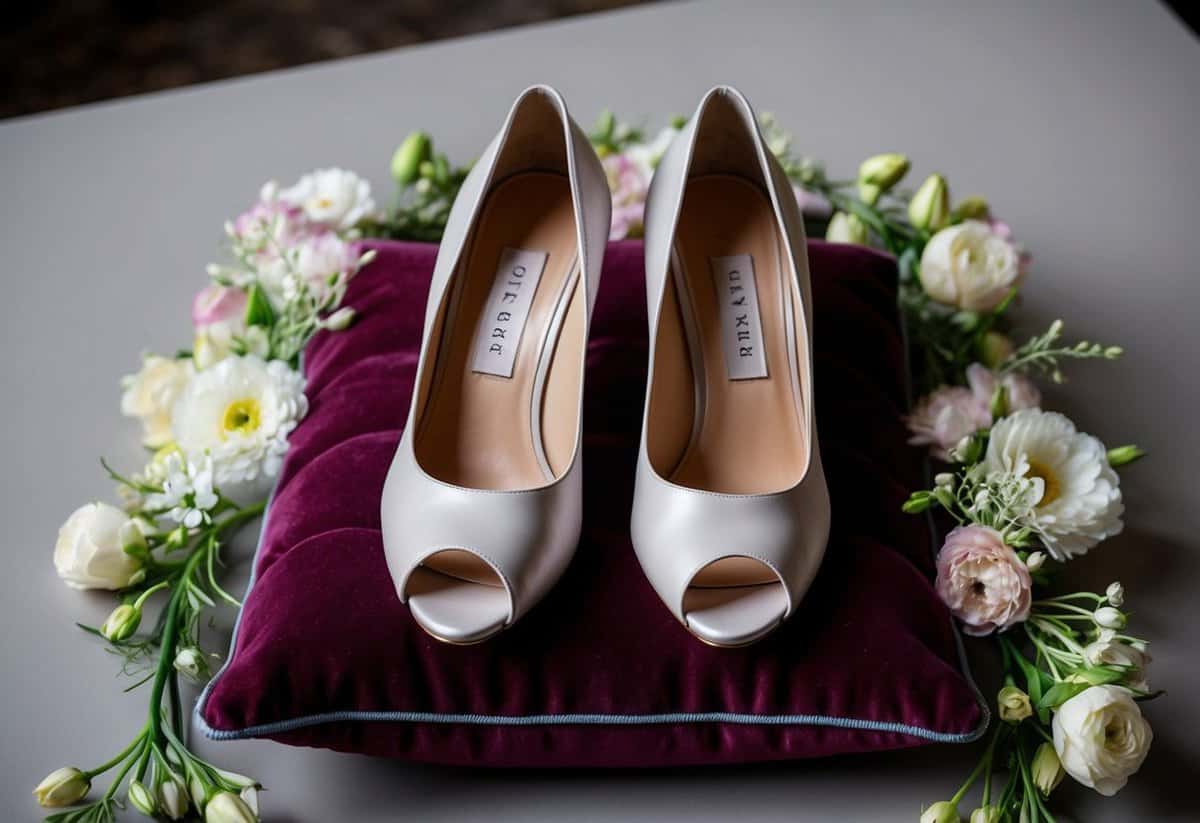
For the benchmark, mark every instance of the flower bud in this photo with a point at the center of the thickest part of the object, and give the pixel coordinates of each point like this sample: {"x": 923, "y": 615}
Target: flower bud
{"x": 141, "y": 799}
{"x": 1115, "y": 594}
{"x": 1047, "y": 769}
{"x": 340, "y": 319}
{"x": 930, "y": 207}
{"x": 199, "y": 793}
{"x": 1107, "y": 617}
{"x": 249, "y": 796}
{"x": 191, "y": 663}
{"x": 986, "y": 814}
{"x": 846, "y": 228}
{"x": 173, "y": 796}
{"x": 945, "y": 497}
{"x": 1035, "y": 561}
{"x": 122, "y": 623}
{"x": 178, "y": 538}
{"x": 998, "y": 407}
{"x": 973, "y": 208}
{"x": 917, "y": 502}
{"x": 62, "y": 787}
{"x": 406, "y": 162}
{"x": 879, "y": 173}
{"x": 1014, "y": 704}
{"x": 994, "y": 349}
{"x": 227, "y": 807}
{"x": 944, "y": 479}
{"x": 1124, "y": 455}
{"x": 941, "y": 812}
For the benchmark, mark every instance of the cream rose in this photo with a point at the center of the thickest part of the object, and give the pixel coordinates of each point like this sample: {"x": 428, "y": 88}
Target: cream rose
{"x": 1101, "y": 737}
{"x": 90, "y": 552}
{"x": 150, "y": 395}
{"x": 969, "y": 266}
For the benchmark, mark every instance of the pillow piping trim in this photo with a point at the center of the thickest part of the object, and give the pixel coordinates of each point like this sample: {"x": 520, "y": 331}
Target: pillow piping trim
{"x": 601, "y": 719}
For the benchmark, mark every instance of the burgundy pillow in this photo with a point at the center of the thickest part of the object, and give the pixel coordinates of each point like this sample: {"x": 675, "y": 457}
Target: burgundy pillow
{"x": 599, "y": 673}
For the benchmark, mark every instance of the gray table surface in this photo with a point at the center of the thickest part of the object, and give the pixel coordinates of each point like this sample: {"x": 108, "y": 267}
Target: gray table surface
{"x": 1079, "y": 120}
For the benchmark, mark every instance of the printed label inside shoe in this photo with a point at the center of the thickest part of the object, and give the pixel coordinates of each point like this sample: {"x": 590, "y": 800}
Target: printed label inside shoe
{"x": 503, "y": 320}
{"x": 741, "y": 327}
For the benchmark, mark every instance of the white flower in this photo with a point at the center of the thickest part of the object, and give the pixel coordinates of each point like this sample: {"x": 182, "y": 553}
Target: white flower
{"x": 240, "y": 412}
{"x": 1108, "y": 651}
{"x": 90, "y": 551}
{"x": 191, "y": 662}
{"x": 216, "y": 341}
{"x": 150, "y": 396}
{"x": 1101, "y": 737}
{"x": 1115, "y": 594}
{"x": 324, "y": 263}
{"x": 227, "y": 807}
{"x": 1035, "y": 561}
{"x": 173, "y": 796}
{"x": 1020, "y": 392}
{"x": 969, "y": 266}
{"x": 62, "y": 787}
{"x": 1107, "y": 617}
{"x": 187, "y": 493}
{"x": 331, "y": 197}
{"x": 1080, "y": 496}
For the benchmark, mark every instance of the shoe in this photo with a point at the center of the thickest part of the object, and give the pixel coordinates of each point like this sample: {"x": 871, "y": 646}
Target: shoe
{"x": 730, "y": 509}
{"x": 482, "y": 505}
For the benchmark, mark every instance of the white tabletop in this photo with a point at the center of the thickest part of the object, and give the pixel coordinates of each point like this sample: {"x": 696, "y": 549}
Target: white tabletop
{"x": 1078, "y": 120}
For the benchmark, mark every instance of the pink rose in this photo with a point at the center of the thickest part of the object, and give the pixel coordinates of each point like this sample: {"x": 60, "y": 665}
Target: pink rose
{"x": 982, "y": 580}
{"x": 1022, "y": 393}
{"x": 218, "y": 304}
{"x": 628, "y": 187}
{"x": 945, "y": 416}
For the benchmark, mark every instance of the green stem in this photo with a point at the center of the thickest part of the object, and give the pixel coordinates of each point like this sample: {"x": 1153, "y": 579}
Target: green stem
{"x": 101, "y": 769}
{"x": 985, "y": 762}
{"x": 129, "y": 764}
{"x": 170, "y": 635}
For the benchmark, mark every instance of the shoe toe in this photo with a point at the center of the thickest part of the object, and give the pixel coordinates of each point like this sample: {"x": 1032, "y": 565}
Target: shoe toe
{"x": 456, "y": 610}
{"x": 734, "y": 615}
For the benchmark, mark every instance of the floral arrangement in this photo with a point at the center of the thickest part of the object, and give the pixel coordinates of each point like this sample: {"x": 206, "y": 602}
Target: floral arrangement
{"x": 1023, "y": 489}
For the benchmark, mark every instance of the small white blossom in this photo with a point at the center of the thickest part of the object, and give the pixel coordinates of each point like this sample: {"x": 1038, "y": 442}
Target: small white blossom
{"x": 187, "y": 495}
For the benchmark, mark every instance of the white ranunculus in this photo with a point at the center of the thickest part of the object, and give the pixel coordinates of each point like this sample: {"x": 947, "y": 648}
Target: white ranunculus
{"x": 1109, "y": 651}
{"x": 150, "y": 396}
{"x": 240, "y": 412}
{"x": 334, "y": 198}
{"x": 90, "y": 551}
{"x": 1101, "y": 737}
{"x": 1080, "y": 494}
{"x": 969, "y": 266}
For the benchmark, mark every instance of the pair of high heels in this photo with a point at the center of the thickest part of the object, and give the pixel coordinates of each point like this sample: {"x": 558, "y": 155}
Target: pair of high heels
{"x": 482, "y": 507}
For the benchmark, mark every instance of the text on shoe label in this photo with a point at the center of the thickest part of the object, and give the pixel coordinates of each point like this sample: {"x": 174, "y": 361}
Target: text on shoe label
{"x": 506, "y": 311}
{"x": 741, "y": 326}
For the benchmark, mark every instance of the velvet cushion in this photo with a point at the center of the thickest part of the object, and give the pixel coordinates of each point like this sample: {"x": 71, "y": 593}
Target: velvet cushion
{"x": 599, "y": 673}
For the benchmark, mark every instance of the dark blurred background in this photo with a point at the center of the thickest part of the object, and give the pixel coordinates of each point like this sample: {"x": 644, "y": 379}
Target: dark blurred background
{"x": 58, "y": 53}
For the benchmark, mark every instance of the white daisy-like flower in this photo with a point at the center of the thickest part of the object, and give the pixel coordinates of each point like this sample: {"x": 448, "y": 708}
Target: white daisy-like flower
{"x": 1079, "y": 495}
{"x": 187, "y": 490}
{"x": 240, "y": 411}
{"x": 334, "y": 198}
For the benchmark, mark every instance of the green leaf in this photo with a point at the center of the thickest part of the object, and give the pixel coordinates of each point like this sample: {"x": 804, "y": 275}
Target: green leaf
{"x": 1060, "y": 693}
{"x": 258, "y": 308}
{"x": 1099, "y": 675}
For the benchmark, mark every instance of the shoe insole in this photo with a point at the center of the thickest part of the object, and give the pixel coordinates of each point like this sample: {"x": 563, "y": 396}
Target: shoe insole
{"x": 749, "y": 436}
{"x": 479, "y": 429}
{"x": 502, "y": 409}
{"x": 737, "y": 304}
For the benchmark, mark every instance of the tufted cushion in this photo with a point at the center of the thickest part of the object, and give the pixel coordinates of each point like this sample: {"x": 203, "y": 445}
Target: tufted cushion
{"x": 598, "y": 674}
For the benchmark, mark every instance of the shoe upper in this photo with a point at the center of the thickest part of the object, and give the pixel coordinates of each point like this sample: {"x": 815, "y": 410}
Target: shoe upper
{"x": 526, "y": 536}
{"x": 678, "y": 530}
